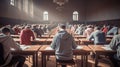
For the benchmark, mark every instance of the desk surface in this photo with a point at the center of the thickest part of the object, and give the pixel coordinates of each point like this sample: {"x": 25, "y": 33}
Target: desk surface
{"x": 15, "y": 36}
{"x": 75, "y": 36}
{"x": 100, "y": 49}
{"x": 76, "y": 51}
{"x": 43, "y": 40}
{"x": 31, "y": 50}
{"x": 85, "y": 41}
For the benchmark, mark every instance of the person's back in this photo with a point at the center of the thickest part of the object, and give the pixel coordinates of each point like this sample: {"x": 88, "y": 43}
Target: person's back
{"x": 64, "y": 40}
{"x": 98, "y": 36}
{"x": 63, "y": 43}
{"x": 115, "y": 45}
{"x": 113, "y": 31}
{"x": 25, "y": 36}
{"x": 88, "y": 31}
{"x": 8, "y": 45}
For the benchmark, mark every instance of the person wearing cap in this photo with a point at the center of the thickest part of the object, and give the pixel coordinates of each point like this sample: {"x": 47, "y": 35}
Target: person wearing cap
{"x": 63, "y": 43}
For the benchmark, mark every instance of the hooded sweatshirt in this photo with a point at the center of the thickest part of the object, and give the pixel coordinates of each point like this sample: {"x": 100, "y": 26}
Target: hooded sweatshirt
{"x": 8, "y": 44}
{"x": 63, "y": 44}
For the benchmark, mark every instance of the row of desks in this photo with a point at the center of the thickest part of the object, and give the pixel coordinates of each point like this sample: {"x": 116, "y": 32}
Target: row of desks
{"x": 51, "y": 36}
{"x": 33, "y": 51}
{"x": 49, "y": 40}
{"x": 84, "y": 52}
{"x": 75, "y": 36}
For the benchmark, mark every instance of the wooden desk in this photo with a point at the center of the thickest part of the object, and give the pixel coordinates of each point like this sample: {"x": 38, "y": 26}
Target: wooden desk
{"x": 81, "y": 36}
{"x": 84, "y": 52}
{"x": 109, "y": 36}
{"x": 48, "y": 41}
{"x": 33, "y": 50}
{"x": 47, "y": 36}
{"x": 98, "y": 50}
{"x": 85, "y": 41}
{"x": 15, "y": 36}
{"x": 16, "y": 40}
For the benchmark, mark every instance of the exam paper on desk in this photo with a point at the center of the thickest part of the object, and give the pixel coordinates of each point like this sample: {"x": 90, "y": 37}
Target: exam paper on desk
{"x": 106, "y": 47}
{"x": 23, "y": 47}
{"x": 49, "y": 48}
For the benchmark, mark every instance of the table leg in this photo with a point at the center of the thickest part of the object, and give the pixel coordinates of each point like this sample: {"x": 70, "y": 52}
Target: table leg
{"x": 86, "y": 60}
{"x": 43, "y": 60}
{"x": 34, "y": 60}
{"x": 82, "y": 59}
{"x": 96, "y": 60}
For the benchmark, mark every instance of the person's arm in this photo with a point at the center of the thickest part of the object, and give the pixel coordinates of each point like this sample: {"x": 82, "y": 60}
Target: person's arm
{"x": 85, "y": 33}
{"x": 32, "y": 35}
{"x": 113, "y": 43}
{"x": 12, "y": 43}
{"x": 53, "y": 44}
{"x": 74, "y": 45}
{"x": 90, "y": 37}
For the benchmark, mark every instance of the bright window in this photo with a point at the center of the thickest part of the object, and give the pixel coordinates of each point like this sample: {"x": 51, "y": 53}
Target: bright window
{"x": 45, "y": 16}
{"x": 12, "y": 2}
{"x": 75, "y": 16}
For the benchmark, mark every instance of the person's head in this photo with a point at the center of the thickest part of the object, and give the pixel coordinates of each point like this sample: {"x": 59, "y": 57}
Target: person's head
{"x": 6, "y": 31}
{"x": 89, "y": 26}
{"x": 97, "y": 28}
{"x": 27, "y": 27}
{"x": 62, "y": 26}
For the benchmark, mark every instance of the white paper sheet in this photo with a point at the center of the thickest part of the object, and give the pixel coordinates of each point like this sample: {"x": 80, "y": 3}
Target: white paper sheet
{"x": 37, "y": 39}
{"x": 79, "y": 47}
{"x": 106, "y": 47}
{"x": 49, "y": 48}
{"x": 23, "y": 47}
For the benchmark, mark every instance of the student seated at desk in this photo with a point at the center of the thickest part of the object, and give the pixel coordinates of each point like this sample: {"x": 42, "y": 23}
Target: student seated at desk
{"x": 88, "y": 31}
{"x": 97, "y": 36}
{"x": 115, "y": 45}
{"x": 63, "y": 43}
{"x": 26, "y": 36}
{"x": 9, "y": 45}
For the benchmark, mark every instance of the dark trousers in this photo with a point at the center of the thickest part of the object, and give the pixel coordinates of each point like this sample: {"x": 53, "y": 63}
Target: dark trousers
{"x": 17, "y": 59}
{"x": 114, "y": 61}
{"x": 64, "y": 61}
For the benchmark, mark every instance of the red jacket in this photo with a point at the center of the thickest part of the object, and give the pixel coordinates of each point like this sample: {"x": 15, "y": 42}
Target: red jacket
{"x": 25, "y": 36}
{"x": 105, "y": 30}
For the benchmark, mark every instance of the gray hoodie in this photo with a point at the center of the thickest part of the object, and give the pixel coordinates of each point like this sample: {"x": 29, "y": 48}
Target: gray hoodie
{"x": 63, "y": 43}
{"x": 8, "y": 44}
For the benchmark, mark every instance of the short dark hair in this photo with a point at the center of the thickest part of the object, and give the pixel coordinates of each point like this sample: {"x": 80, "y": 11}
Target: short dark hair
{"x": 5, "y": 30}
{"x": 97, "y": 28}
{"x": 62, "y": 26}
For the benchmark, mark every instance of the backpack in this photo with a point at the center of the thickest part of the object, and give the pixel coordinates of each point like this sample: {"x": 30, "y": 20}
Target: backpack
{"x": 1, "y": 54}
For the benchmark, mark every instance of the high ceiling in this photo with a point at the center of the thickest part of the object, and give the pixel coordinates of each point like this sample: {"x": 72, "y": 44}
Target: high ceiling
{"x": 85, "y": 8}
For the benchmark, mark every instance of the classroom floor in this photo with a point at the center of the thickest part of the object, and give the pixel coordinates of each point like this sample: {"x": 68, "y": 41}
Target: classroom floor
{"x": 103, "y": 62}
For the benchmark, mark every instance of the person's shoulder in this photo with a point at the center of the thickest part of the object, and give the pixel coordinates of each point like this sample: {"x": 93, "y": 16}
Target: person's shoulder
{"x": 3, "y": 35}
{"x": 117, "y": 36}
